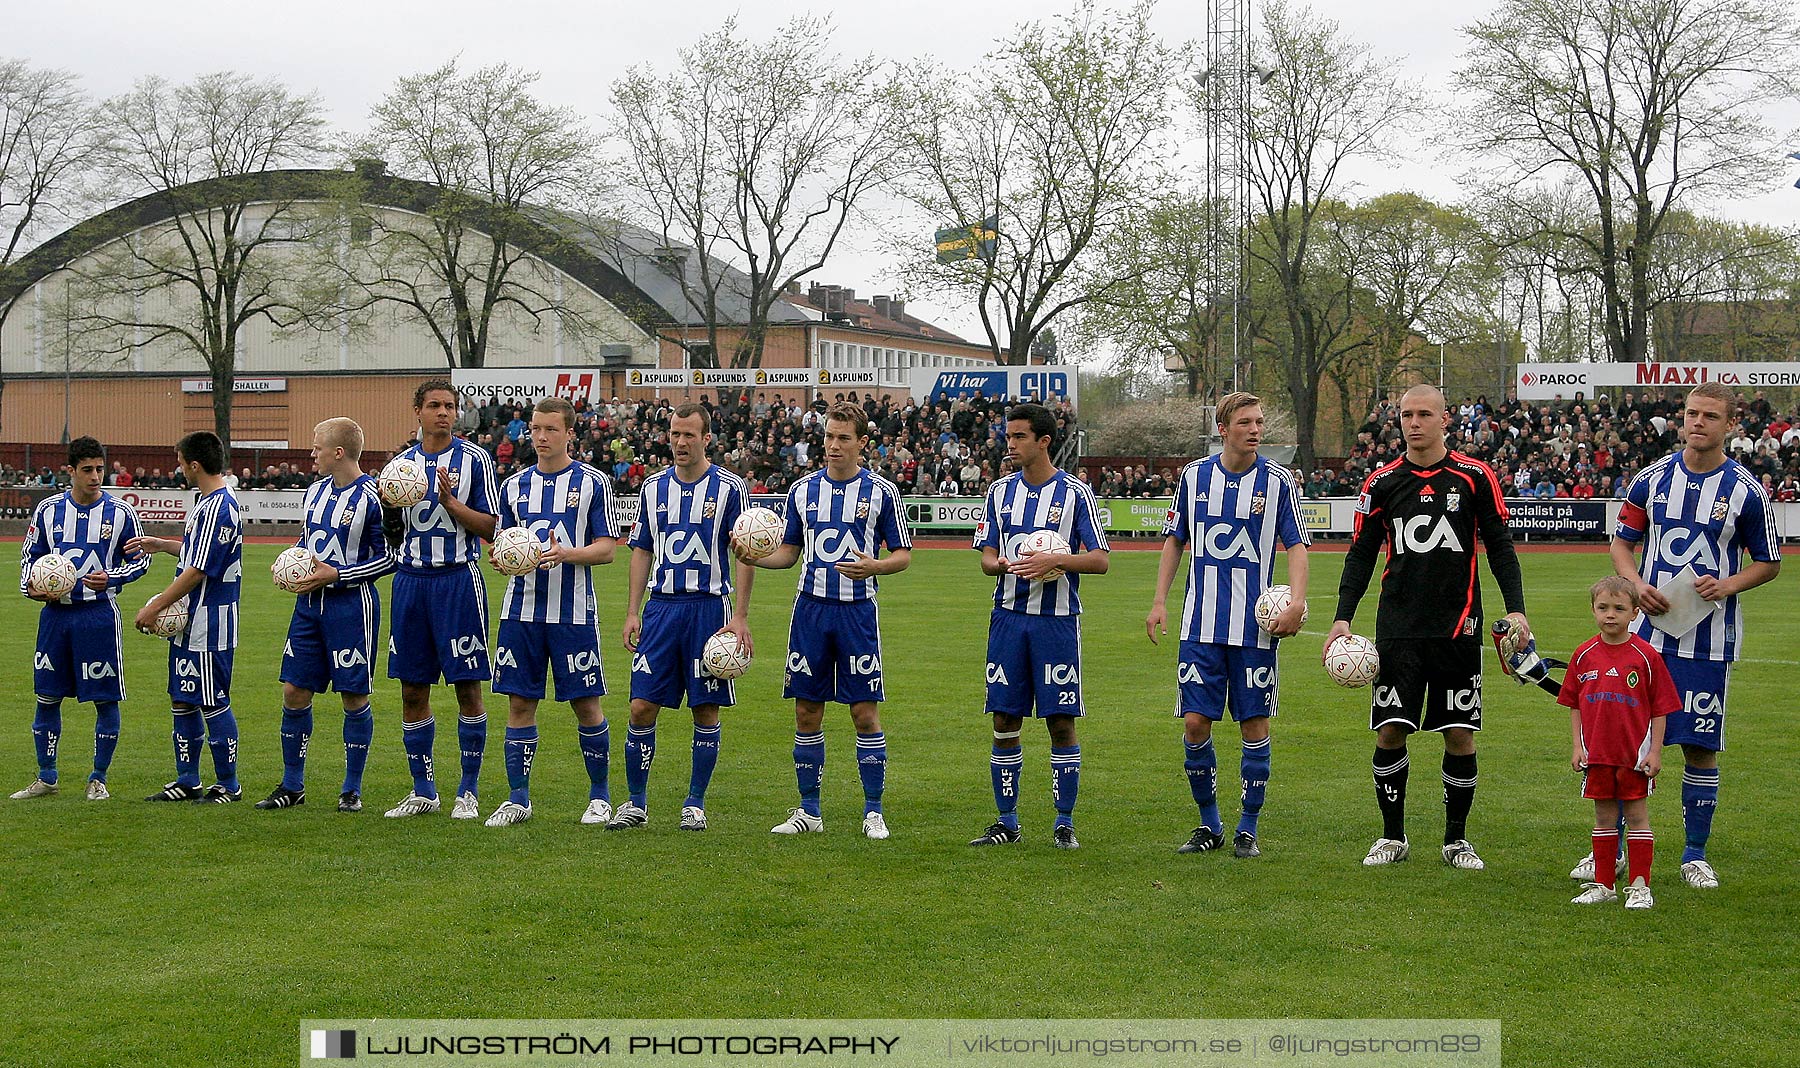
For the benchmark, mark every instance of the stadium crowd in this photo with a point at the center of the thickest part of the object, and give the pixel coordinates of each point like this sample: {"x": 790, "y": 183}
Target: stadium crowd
{"x": 1575, "y": 449}
{"x": 954, "y": 446}
{"x": 949, "y": 447}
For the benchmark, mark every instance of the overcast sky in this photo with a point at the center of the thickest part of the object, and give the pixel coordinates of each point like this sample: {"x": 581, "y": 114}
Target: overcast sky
{"x": 350, "y": 52}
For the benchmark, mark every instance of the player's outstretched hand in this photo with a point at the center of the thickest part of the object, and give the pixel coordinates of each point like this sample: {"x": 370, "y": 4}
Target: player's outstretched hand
{"x": 858, "y": 567}
{"x": 633, "y": 627}
{"x": 94, "y": 580}
{"x": 1157, "y": 622}
{"x": 323, "y": 574}
{"x": 553, "y": 554}
{"x": 146, "y": 544}
{"x": 740, "y": 626}
{"x": 1338, "y": 630}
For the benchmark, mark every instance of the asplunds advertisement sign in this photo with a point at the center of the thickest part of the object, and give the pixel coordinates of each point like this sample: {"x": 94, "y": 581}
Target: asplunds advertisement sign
{"x": 1046, "y": 382}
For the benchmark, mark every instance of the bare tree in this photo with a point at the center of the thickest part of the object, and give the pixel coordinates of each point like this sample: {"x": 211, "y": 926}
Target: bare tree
{"x": 1646, "y": 104}
{"x": 46, "y": 139}
{"x": 1058, "y": 136}
{"x": 1328, "y": 101}
{"x": 500, "y": 162}
{"x": 211, "y": 152}
{"x": 753, "y": 154}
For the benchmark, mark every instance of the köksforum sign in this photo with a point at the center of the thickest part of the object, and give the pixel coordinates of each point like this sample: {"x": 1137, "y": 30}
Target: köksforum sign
{"x": 1546, "y": 381}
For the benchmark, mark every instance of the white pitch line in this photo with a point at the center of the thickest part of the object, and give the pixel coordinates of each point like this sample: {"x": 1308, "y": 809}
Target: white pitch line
{"x": 1740, "y": 660}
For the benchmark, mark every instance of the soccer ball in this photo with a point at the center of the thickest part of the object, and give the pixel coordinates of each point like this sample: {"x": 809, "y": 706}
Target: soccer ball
{"x": 1273, "y": 602}
{"x": 52, "y": 575}
{"x": 516, "y": 551}
{"x": 1044, "y": 541}
{"x": 402, "y": 482}
{"x": 759, "y": 532}
{"x": 171, "y": 621}
{"x": 724, "y": 657}
{"x": 293, "y": 566}
{"x": 1351, "y": 660}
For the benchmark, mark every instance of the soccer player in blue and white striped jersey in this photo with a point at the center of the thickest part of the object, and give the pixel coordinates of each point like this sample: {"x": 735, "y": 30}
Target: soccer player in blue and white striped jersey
{"x": 1034, "y": 634}
{"x": 440, "y": 625}
{"x": 337, "y": 614}
{"x": 548, "y": 618}
{"x": 1235, "y": 509}
{"x": 838, "y": 520}
{"x": 211, "y": 555}
{"x": 1697, "y": 510}
{"x": 79, "y": 653}
{"x": 681, "y": 555}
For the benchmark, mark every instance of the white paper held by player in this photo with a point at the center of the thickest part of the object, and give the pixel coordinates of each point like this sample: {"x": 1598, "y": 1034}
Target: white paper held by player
{"x": 1686, "y": 607}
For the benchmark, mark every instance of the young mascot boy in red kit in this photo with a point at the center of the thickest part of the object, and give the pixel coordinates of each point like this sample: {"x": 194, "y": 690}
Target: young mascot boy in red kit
{"x": 1618, "y": 691}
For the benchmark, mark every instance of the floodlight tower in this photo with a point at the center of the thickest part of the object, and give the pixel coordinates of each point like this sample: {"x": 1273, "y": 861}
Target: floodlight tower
{"x": 1226, "y": 95}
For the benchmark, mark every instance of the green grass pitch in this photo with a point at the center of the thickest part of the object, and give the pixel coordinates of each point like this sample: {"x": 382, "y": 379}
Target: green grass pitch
{"x": 147, "y": 934}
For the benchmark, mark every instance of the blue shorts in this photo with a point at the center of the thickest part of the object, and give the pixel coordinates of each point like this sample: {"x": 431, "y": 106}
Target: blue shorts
{"x": 1702, "y": 685}
{"x": 439, "y": 626}
{"x": 666, "y": 663}
{"x": 199, "y": 677}
{"x": 570, "y": 651}
{"x": 1213, "y": 676}
{"x": 331, "y": 640}
{"x": 1034, "y": 664}
{"x": 91, "y": 628}
{"x": 834, "y": 651}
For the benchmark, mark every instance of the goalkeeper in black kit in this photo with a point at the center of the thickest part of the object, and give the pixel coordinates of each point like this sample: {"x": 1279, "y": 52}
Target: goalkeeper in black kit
{"x": 1429, "y": 507}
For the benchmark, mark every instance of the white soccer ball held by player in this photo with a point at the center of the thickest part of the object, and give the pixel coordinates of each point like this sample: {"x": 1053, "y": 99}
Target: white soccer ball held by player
{"x": 1271, "y": 604}
{"x": 402, "y": 482}
{"x": 52, "y": 575}
{"x": 1043, "y": 541}
{"x": 724, "y": 656}
{"x": 1351, "y": 660}
{"x": 516, "y": 551}
{"x": 757, "y": 533}
{"x": 294, "y": 566}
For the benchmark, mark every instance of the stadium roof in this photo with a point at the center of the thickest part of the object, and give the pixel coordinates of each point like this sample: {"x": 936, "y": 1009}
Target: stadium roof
{"x": 653, "y": 282}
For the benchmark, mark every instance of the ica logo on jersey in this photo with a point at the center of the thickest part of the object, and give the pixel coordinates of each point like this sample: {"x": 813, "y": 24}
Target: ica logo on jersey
{"x": 1061, "y": 674}
{"x": 1423, "y": 533}
{"x": 1680, "y": 547}
{"x": 1222, "y": 544}
{"x": 684, "y": 546}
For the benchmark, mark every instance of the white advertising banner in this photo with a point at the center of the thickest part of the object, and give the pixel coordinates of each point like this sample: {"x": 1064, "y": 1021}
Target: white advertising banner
{"x": 156, "y": 505}
{"x": 1046, "y": 382}
{"x": 527, "y": 385}
{"x": 1546, "y": 381}
{"x": 241, "y": 385}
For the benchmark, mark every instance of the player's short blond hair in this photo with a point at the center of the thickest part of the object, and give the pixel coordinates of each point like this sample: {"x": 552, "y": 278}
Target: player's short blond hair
{"x": 1618, "y": 584}
{"x": 1718, "y": 392}
{"x": 558, "y": 406}
{"x": 341, "y": 432}
{"x": 1232, "y": 402}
